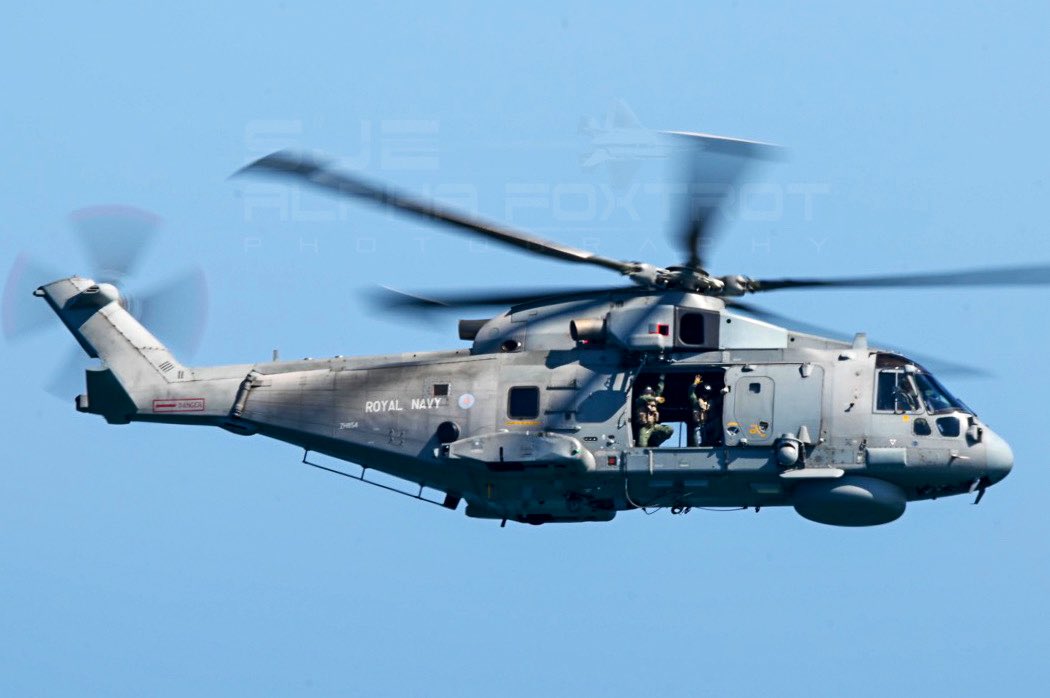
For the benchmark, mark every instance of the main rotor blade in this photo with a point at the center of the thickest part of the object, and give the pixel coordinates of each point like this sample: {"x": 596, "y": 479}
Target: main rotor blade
{"x": 932, "y": 363}
{"x": 714, "y": 166}
{"x": 319, "y": 174}
{"x": 785, "y": 321}
{"x": 114, "y": 238}
{"x": 394, "y": 299}
{"x": 1033, "y": 275}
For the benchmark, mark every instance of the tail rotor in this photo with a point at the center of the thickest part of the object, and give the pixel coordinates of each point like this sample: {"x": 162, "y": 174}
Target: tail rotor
{"x": 115, "y": 241}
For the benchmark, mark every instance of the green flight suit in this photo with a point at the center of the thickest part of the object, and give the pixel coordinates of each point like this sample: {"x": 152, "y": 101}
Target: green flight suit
{"x": 647, "y": 416}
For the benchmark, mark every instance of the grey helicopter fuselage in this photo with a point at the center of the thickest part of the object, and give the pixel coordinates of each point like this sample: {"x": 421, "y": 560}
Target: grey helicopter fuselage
{"x": 535, "y": 421}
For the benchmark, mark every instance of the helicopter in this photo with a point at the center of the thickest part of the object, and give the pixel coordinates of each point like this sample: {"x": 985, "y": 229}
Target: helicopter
{"x": 561, "y": 407}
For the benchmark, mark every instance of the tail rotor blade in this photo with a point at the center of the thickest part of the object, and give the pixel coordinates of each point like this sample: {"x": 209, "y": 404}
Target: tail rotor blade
{"x": 68, "y": 379}
{"x": 176, "y": 312}
{"x": 114, "y": 238}
{"x": 24, "y": 315}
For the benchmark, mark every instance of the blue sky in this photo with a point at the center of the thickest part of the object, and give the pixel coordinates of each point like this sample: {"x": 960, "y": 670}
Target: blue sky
{"x": 145, "y": 559}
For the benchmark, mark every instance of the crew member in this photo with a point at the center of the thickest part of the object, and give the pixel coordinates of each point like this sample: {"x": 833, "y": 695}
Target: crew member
{"x": 700, "y": 400}
{"x": 647, "y": 417}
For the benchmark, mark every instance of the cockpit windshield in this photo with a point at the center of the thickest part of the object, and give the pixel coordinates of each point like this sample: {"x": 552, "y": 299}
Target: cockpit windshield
{"x": 936, "y": 396}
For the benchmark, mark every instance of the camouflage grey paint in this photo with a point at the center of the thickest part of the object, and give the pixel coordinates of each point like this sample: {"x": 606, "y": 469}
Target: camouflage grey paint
{"x": 798, "y": 422}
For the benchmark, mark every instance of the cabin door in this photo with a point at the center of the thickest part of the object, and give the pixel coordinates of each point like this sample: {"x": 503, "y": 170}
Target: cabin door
{"x": 766, "y": 401}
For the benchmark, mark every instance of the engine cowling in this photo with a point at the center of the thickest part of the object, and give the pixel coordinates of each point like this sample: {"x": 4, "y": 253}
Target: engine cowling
{"x": 850, "y": 501}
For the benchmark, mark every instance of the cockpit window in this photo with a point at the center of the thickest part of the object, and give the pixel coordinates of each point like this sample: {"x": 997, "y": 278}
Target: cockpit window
{"x": 937, "y": 398}
{"x": 896, "y": 393}
{"x": 925, "y": 387}
{"x": 949, "y": 426}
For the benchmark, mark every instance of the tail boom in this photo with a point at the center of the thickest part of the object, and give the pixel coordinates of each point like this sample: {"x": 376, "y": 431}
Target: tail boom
{"x": 140, "y": 379}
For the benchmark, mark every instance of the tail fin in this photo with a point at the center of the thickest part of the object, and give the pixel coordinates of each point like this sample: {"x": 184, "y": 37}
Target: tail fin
{"x": 622, "y": 116}
{"x": 136, "y": 366}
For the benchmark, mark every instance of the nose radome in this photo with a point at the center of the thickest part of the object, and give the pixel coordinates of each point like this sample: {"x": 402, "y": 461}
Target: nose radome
{"x": 999, "y": 458}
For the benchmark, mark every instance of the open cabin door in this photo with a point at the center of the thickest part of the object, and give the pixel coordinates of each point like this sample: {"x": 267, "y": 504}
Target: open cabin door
{"x": 677, "y": 410}
{"x": 767, "y": 400}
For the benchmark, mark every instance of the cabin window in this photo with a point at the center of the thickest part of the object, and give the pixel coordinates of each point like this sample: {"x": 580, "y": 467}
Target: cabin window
{"x": 895, "y": 393}
{"x": 523, "y": 402}
{"x": 691, "y": 328}
{"x": 440, "y": 390}
{"x": 922, "y": 427}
